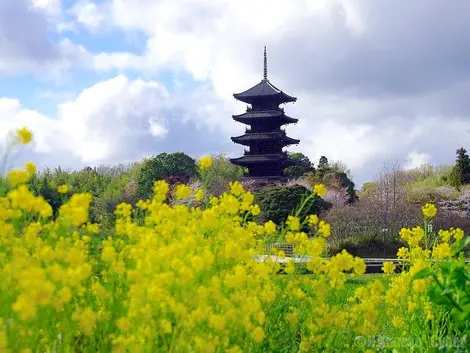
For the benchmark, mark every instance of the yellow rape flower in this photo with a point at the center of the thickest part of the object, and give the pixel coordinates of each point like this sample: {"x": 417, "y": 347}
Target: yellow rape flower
{"x": 30, "y": 168}
{"x": 258, "y": 334}
{"x": 429, "y": 210}
{"x": 458, "y": 234}
{"x": 63, "y": 189}
{"x": 312, "y": 220}
{"x": 24, "y": 135}
{"x": 324, "y": 229}
{"x": 442, "y": 251}
{"x": 270, "y": 227}
{"x": 199, "y": 195}
{"x": 236, "y": 188}
{"x": 205, "y": 162}
{"x": 388, "y": 267}
{"x": 293, "y": 223}
{"x": 123, "y": 324}
{"x": 16, "y": 177}
{"x": 255, "y": 210}
{"x": 183, "y": 191}
{"x": 320, "y": 189}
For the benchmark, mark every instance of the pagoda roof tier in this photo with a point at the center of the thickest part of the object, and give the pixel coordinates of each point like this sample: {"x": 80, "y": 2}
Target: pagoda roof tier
{"x": 254, "y": 115}
{"x": 247, "y": 139}
{"x": 262, "y": 91}
{"x": 248, "y": 159}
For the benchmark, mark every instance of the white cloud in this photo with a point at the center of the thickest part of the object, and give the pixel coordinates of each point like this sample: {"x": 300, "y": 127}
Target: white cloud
{"x": 50, "y": 7}
{"x": 416, "y": 160}
{"x": 87, "y": 14}
{"x": 29, "y": 50}
{"x": 113, "y": 121}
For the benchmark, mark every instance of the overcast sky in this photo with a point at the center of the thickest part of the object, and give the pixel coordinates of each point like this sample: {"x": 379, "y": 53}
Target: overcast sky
{"x": 112, "y": 81}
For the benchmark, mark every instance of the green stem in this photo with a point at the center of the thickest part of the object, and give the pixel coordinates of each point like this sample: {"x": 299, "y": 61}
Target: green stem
{"x": 425, "y": 233}
{"x": 302, "y": 205}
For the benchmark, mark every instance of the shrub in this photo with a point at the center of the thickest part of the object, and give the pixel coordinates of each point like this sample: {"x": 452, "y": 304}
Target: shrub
{"x": 367, "y": 246}
{"x": 278, "y": 202}
{"x": 428, "y": 193}
{"x": 161, "y": 167}
{"x": 221, "y": 174}
{"x": 304, "y": 165}
{"x": 369, "y": 219}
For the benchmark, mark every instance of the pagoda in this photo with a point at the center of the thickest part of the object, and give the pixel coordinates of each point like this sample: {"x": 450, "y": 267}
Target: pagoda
{"x": 265, "y": 158}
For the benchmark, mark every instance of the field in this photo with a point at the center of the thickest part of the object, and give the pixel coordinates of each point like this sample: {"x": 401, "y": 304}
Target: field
{"x": 183, "y": 279}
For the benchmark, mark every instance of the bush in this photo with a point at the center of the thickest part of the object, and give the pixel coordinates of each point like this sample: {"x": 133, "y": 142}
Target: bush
{"x": 279, "y": 202}
{"x": 367, "y": 246}
{"x": 369, "y": 219}
{"x": 221, "y": 174}
{"x": 428, "y": 193}
{"x": 162, "y": 167}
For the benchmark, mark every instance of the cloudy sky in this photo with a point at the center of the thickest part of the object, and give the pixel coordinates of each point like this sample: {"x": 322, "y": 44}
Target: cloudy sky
{"x": 111, "y": 81}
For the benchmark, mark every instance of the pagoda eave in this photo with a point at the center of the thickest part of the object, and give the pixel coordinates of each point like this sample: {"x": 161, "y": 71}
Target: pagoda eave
{"x": 279, "y": 138}
{"x": 264, "y": 90}
{"x": 278, "y": 97}
{"x": 247, "y": 120}
{"x": 258, "y": 159}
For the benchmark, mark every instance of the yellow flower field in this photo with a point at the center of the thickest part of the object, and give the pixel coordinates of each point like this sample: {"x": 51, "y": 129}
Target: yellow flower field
{"x": 180, "y": 279}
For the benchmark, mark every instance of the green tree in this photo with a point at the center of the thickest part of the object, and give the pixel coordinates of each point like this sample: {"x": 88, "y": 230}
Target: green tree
{"x": 333, "y": 175}
{"x": 161, "y": 167}
{"x": 304, "y": 166}
{"x": 462, "y": 166}
{"x": 368, "y": 189}
{"x": 221, "y": 174}
{"x": 277, "y": 203}
{"x": 323, "y": 166}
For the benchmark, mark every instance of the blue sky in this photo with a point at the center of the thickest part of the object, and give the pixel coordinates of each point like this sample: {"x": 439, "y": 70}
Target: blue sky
{"x": 113, "y": 81}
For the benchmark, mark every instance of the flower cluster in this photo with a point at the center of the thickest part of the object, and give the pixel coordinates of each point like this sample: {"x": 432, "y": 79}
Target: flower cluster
{"x": 180, "y": 279}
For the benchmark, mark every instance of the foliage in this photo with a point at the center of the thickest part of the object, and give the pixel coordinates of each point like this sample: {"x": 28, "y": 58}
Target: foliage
{"x": 428, "y": 193}
{"x": 367, "y": 218}
{"x": 278, "y": 202}
{"x": 161, "y": 167}
{"x": 368, "y": 190}
{"x": 462, "y": 166}
{"x": 4, "y": 187}
{"x": 333, "y": 175}
{"x": 429, "y": 175}
{"x": 304, "y": 166}
{"x": 221, "y": 174}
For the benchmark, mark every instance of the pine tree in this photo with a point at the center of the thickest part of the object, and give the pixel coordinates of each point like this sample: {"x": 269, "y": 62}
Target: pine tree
{"x": 322, "y": 166}
{"x": 462, "y": 166}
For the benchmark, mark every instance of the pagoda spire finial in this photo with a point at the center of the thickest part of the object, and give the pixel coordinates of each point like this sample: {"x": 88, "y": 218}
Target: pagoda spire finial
{"x": 265, "y": 64}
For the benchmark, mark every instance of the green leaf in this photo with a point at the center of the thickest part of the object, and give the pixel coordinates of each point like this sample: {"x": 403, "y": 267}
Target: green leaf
{"x": 424, "y": 273}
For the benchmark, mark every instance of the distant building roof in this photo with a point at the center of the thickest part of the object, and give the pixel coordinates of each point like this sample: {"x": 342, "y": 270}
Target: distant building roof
{"x": 264, "y": 136}
{"x": 263, "y": 114}
{"x": 263, "y": 158}
{"x": 263, "y": 90}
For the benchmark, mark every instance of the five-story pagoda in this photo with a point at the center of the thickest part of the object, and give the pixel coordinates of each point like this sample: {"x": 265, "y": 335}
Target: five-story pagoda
{"x": 265, "y": 138}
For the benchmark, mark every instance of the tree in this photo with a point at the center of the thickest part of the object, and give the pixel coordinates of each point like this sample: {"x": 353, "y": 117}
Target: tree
{"x": 304, "y": 166}
{"x": 277, "y": 203}
{"x": 334, "y": 175}
{"x": 162, "y": 167}
{"x": 368, "y": 189}
{"x": 461, "y": 172}
{"x": 221, "y": 174}
{"x": 322, "y": 166}
{"x": 390, "y": 182}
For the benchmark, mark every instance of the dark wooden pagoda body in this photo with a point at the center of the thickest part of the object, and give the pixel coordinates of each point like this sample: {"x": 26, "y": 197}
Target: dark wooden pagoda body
{"x": 265, "y": 137}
